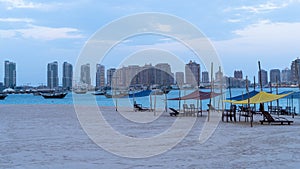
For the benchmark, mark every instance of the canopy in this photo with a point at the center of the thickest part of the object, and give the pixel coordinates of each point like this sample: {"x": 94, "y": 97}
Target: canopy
{"x": 294, "y": 95}
{"x": 262, "y": 97}
{"x": 199, "y": 95}
{"x": 243, "y": 96}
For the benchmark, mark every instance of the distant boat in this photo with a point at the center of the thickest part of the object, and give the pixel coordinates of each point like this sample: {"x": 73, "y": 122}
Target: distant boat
{"x": 80, "y": 91}
{"x": 119, "y": 95}
{"x": 55, "y": 95}
{"x": 99, "y": 93}
{"x": 158, "y": 92}
{"x": 3, "y": 96}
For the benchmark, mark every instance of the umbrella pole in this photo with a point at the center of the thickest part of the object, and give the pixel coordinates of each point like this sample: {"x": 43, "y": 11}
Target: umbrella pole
{"x": 211, "y": 89}
{"x": 254, "y": 90}
{"x": 277, "y": 101}
{"x": 261, "y": 105}
{"x": 249, "y": 110}
{"x": 155, "y": 104}
{"x": 179, "y": 103}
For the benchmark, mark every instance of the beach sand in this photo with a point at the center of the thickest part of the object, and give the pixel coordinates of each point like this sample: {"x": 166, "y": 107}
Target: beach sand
{"x": 50, "y": 136}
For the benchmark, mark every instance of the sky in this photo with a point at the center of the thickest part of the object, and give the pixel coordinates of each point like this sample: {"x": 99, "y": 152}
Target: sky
{"x": 34, "y": 33}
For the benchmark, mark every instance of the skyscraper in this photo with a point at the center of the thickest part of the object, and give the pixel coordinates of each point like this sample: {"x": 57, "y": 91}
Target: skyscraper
{"x": 286, "y": 75}
{"x": 85, "y": 74}
{"x": 67, "y": 75}
{"x": 9, "y": 74}
{"x": 264, "y": 77}
{"x": 219, "y": 75}
{"x": 205, "y": 77}
{"x": 110, "y": 73}
{"x": 238, "y": 74}
{"x": 100, "y": 75}
{"x": 295, "y": 70}
{"x": 163, "y": 75}
{"x": 52, "y": 75}
{"x": 192, "y": 73}
{"x": 179, "y": 78}
{"x": 275, "y": 76}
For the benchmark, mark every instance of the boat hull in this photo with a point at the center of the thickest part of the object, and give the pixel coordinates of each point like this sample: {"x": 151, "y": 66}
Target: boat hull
{"x": 2, "y": 96}
{"x": 54, "y": 96}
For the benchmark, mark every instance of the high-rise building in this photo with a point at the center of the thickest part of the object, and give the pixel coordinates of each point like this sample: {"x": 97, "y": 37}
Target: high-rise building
{"x": 238, "y": 74}
{"x": 85, "y": 74}
{"x": 179, "y": 78}
{"x": 1, "y": 86}
{"x": 9, "y": 74}
{"x": 205, "y": 77}
{"x": 100, "y": 75}
{"x": 131, "y": 75}
{"x": 147, "y": 75}
{"x": 264, "y": 77}
{"x": 109, "y": 76}
{"x": 192, "y": 73}
{"x": 295, "y": 70}
{"x": 163, "y": 74}
{"x": 52, "y": 75}
{"x": 219, "y": 75}
{"x": 286, "y": 75}
{"x": 275, "y": 76}
{"x": 67, "y": 75}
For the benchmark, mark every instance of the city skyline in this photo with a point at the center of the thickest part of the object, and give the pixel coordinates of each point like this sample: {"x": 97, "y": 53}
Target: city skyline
{"x": 242, "y": 32}
{"x": 127, "y": 75}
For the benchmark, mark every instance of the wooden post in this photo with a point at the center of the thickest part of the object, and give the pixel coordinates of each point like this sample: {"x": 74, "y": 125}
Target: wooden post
{"x": 261, "y": 87}
{"x": 211, "y": 89}
{"x": 249, "y": 110}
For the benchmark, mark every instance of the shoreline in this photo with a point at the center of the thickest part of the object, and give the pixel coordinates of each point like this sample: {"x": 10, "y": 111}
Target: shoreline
{"x": 47, "y": 136}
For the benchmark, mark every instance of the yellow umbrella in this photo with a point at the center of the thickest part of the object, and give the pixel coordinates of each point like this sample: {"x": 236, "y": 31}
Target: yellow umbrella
{"x": 262, "y": 97}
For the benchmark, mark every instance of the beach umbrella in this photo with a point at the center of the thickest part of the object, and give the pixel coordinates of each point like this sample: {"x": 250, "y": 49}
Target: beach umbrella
{"x": 261, "y": 97}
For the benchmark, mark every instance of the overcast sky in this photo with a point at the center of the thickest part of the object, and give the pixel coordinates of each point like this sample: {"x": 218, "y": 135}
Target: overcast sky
{"x": 36, "y": 32}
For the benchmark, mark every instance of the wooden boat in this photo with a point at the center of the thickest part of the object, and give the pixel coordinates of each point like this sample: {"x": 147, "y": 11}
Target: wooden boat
{"x": 3, "y": 96}
{"x": 120, "y": 95}
{"x": 80, "y": 91}
{"x": 159, "y": 92}
{"x": 99, "y": 93}
{"x": 56, "y": 95}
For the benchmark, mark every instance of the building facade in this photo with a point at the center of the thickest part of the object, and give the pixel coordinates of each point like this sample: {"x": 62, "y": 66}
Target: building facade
{"x": 264, "y": 77}
{"x": 238, "y": 74}
{"x": 275, "y": 76}
{"x": 85, "y": 74}
{"x": 109, "y": 76}
{"x": 163, "y": 74}
{"x": 9, "y": 74}
{"x": 295, "y": 71}
{"x": 52, "y": 75}
{"x": 179, "y": 78}
{"x": 100, "y": 76}
{"x": 219, "y": 75}
{"x": 67, "y": 75}
{"x": 205, "y": 77}
{"x": 286, "y": 76}
{"x": 192, "y": 73}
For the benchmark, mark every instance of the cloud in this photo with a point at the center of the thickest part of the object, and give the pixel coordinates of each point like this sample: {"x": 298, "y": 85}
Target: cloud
{"x": 42, "y": 33}
{"x": 163, "y": 27}
{"x": 273, "y": 43}
{"x": 27, "y": 20}
{"x": 264, "y": 36}
{"x": 262, "y": 8}
{"x": 234, "y": 20}
{"x": 26, "y": 4}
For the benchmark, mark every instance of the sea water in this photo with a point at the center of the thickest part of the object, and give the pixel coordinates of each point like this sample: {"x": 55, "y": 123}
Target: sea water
{"x": 158, "y": 101}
